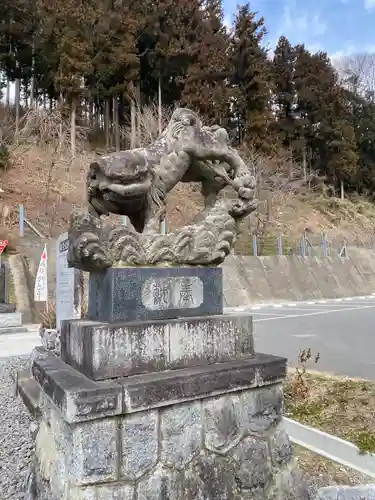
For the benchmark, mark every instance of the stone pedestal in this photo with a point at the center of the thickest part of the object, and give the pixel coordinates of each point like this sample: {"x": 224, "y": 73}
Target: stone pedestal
{"x": 162, "y": 410}
{"x": 146, "y": 293}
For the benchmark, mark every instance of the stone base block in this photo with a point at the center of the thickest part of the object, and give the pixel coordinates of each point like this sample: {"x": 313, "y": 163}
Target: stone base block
{"x": 29, "y": 391}
{"x": 108, "y": 350}
{"x": 148, "y": 293}
{"x": 79, "y": 398}
{"x": 10, "y": 319}
{"x": 227, "y": 443}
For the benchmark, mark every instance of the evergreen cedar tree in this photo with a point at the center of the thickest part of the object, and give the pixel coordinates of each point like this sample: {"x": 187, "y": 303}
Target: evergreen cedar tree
{"x": 289, "y": 100}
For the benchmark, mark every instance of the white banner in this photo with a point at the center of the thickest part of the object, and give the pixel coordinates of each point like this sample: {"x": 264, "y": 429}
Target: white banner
{"x": 41, "y": 288}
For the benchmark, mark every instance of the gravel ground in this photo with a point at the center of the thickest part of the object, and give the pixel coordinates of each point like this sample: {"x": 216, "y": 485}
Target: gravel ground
{"x": 15, "y": 439}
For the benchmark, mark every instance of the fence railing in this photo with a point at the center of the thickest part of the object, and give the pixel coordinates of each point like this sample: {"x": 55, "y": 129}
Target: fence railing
{"x": 24, "y": 222}
{"x": 257, "y": 246}
{"x": 277, "y": 245}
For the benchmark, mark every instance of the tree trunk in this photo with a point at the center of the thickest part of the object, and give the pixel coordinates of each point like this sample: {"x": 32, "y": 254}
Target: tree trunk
{"x": 139, "y": 116}
{"x": 342, "y": 191}
{"x": 32, "y": 91}
{"x": 159, "y": 107}
{"x": 304, "y": 164}
{"x": 32, "y": 80}
{"x": 26, "y": 90}
{"x": 97, "y": 115}
{"x": 116, "y": 123}
{"x": 8, "y": 93}
{"x": 17, "y": 104}
{"x": 91, "y": 114}
{"x": 73, "y": 114}
{"x": 106, "y": 123}
{"x": 61, "y": 132}
{"x": 133, "y": 131}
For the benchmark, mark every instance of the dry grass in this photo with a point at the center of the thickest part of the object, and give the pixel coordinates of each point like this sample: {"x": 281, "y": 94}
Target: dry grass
{"x": 47, "y": 317}
{"x": 48, "y": 184}
{"x": 147, "y": 124}
{"x": 322, "y": 472}
{"x": 343, "y": 407}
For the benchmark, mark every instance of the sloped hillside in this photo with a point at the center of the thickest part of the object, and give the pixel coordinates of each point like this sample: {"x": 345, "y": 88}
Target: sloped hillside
{"x": 49, "y": 186}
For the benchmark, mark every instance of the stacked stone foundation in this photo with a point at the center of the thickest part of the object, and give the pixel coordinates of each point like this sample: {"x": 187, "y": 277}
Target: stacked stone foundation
{"x": 162, "y": 410}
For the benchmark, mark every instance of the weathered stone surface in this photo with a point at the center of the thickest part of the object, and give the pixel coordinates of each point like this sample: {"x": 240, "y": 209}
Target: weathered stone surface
{"x": 160, "y": 485}
{"x": 291, "y": 484}
{"x": 142, "y": 392}
{"x": 80, "y": 399}
{"x": 281, "y": 447}
{"x": 116, "y": 491}
{"x": 147, "y": 293}
{"x": 94, "y": 454}
{"x": 210, "y": 340}
{"x": 29, "y": 391}
{"x": 262, "y": 408}
{"x": 49, "y": 461}
{"x": 365, "y": 492}
{"x": 210, "y": 477}
{"x": 77, "y": 397}
{"x": 253, "y": 463}
{"x": 181, "y": 434}
{"x": 223, "y": 423}
{"x": 254, "y": 494}
{"x": 139, "y": 444}
{"x": 102, "y": 350}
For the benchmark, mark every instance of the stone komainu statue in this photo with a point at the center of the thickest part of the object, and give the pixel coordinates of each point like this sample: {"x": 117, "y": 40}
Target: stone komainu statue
{"x": 135, "y": 183}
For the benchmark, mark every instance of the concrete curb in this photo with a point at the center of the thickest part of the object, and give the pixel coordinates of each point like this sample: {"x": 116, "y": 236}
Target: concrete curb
{"x": 362, "y": 492}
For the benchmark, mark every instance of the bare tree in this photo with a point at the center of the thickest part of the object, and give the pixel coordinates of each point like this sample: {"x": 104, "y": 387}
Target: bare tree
{"x": 357, "y": 73}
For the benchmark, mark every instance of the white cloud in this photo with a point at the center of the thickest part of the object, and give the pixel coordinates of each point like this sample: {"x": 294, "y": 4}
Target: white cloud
{"x": 228, "y": 22}
{"x": 302, "y": 24}
{"x": 369, "y": 4}
{"x": 299, "y": 26}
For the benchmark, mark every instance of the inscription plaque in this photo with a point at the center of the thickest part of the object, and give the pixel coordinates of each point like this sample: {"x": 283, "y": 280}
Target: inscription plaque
{"x": 159, "y": 294}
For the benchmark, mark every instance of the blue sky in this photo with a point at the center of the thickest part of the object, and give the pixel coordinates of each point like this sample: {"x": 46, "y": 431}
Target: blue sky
{"x": 339, "y": 27}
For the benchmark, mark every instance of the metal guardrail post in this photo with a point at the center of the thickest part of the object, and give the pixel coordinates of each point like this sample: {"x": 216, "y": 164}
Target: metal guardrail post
{"x": 21, "y": 212}
{"x": 279, "y": 245}
{"x": 324, "y": 245}
{"x": 255, "y": 246}
{"x": 7, "y": 278}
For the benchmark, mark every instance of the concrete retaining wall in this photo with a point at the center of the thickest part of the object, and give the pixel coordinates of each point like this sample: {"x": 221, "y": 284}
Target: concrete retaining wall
{"x": 264, "y": 279}
{"x": 249, "y": 280}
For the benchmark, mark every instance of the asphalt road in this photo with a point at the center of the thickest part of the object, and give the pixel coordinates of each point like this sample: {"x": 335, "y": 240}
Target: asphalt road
{"x": 341, "y": 330}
